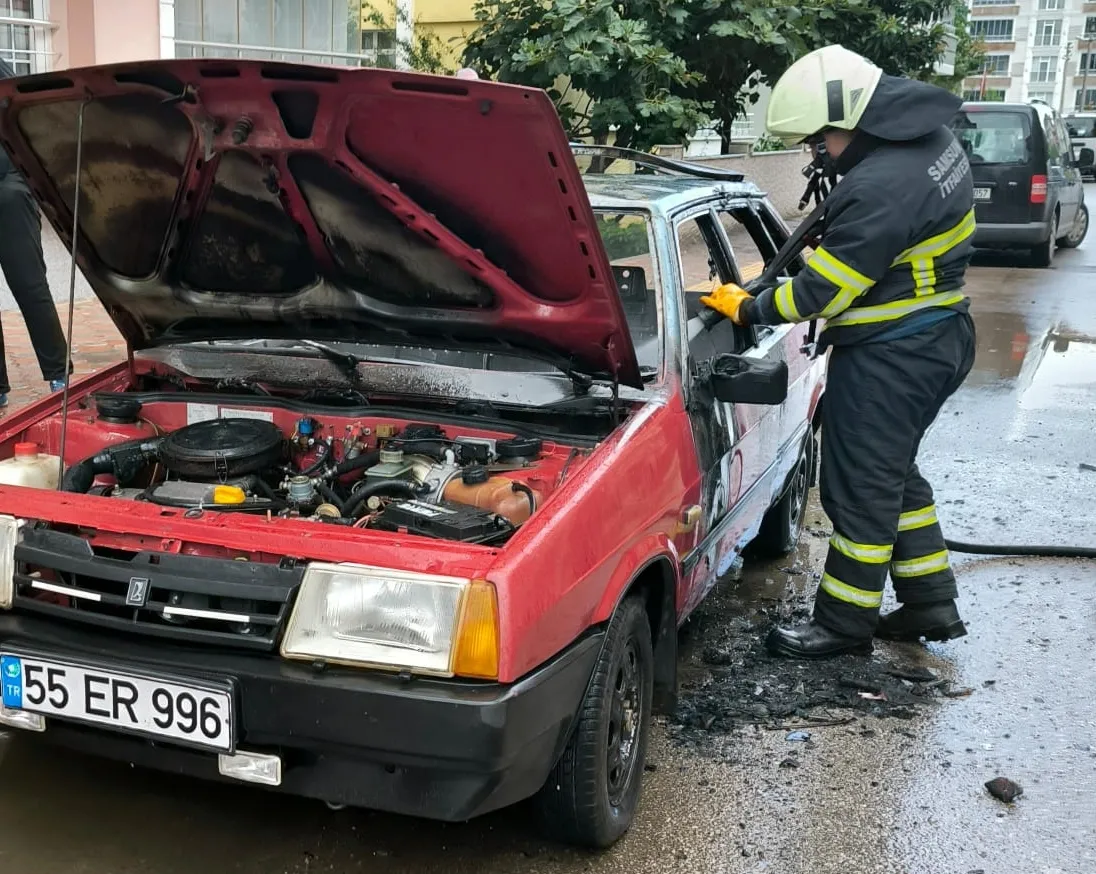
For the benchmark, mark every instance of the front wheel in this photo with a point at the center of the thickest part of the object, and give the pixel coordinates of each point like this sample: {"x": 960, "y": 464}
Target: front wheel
{"x": 592, "y": 794}
{"x": 780, "y": 529}
{"x": 1078, "y": 232}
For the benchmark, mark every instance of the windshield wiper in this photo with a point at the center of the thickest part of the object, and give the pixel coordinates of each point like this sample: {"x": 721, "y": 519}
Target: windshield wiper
{"x": 345, "y": 361}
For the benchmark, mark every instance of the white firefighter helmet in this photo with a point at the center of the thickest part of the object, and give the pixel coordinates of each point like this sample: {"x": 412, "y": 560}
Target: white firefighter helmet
{"x": 827, "y": 88}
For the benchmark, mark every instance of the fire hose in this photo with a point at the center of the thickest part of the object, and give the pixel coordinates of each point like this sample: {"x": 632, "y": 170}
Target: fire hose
{"x": 818, "y": 188}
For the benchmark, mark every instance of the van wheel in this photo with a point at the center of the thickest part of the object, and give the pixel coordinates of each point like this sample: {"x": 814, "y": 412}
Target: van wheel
{"x": 1043, "y": 254}
{"x": 781, "y": 526}
{"x": 1079, "y": 231}
{"x": 591, "y": 796}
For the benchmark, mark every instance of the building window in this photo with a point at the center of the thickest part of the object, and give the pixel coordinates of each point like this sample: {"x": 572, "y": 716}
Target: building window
{"x": 26, "y": 47}
{"x": 995, "y": 65}
{"x": 1090, "y": 27}
{"x": 1041, "y": 96}
{"x": 1048, "y": 32}
{"x": 990, "y": 95}
{"x": 992, "y": 29}
{"x": 1088, "y": 63}
{"x": 1049, "y": 5}
{"x": 1044, "y": 70}
{"x": 379, "y": 48}
{"x": 1086, "y": 100}
{"x": 297, "y": 31}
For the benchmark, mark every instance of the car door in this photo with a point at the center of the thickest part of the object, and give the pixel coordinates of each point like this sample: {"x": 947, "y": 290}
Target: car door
{"x": 771, "y": 436}
{"x": 1062, "y": 187}
{"x": 737, "y": 444}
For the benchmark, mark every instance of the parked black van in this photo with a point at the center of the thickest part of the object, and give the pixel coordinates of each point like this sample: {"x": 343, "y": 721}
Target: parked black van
{"x": 1028, "y": 190}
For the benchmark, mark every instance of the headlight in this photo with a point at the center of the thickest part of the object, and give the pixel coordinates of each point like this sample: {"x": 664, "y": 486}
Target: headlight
{"x": 358, "y": 615}
{"x": 10, "y": 532}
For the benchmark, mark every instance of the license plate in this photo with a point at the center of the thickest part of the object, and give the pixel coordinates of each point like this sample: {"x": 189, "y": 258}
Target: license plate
{"x": 187, "y": 713}
{"x": 981, "y": 194}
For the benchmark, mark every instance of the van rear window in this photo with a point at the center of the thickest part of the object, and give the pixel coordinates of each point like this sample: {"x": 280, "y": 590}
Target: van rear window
{"x": 994, "y": 137}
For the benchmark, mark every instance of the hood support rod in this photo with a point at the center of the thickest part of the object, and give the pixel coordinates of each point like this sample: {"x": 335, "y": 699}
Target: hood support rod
{"x": 72, "y": 291}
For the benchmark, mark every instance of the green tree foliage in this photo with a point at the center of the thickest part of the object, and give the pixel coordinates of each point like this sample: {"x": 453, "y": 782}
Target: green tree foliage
{"x": 655, "y": 67}
{"x": 603, "y": 63}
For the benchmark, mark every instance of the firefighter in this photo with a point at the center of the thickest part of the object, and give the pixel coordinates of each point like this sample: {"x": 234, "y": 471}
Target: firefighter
{"x": 887, "y": 280}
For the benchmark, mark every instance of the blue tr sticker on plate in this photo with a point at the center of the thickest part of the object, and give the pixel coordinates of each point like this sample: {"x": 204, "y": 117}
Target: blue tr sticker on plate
{"x": 11, "y": 674}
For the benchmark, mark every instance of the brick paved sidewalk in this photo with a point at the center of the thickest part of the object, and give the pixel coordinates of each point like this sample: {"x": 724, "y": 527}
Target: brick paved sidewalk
{"x": 96, "y": 344}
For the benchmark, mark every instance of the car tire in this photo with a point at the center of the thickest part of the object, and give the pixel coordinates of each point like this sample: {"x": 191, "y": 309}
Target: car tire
{"x": 782, "y": 525}
{"x": 592, "y": 794}
{"x": 1078, "y": 232}
{"x": 1043, "y": 254}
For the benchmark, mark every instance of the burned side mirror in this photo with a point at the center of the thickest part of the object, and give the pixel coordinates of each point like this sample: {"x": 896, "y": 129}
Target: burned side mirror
{"x": 735, "y": 379}
{"x": 1086, "y": 158}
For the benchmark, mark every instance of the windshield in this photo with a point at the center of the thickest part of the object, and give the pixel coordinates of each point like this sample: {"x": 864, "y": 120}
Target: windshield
{"x": 1081, "y": 126}
{"x": 994, "y": 137}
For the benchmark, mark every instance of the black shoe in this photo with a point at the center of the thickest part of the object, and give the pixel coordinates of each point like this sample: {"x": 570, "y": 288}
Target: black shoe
{"x": 911, "y": 622}
{"x": 813, "y": 641}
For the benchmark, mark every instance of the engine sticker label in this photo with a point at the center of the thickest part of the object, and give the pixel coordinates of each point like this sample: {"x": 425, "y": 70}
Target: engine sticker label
{"x": 205, "y": 412}
{"x": 200, "y": 413}
{"x": 232, "y": 413}
{"x": 420, "y": 509}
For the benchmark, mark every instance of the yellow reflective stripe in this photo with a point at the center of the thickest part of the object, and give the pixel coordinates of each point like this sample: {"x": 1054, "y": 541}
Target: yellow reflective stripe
{"x": 924, "y": 277}
{"x": 937, "y": 245}
{"x": 850, "y": 594}
{"x": 841, "y": 302}
{"x": 869, "y": 553}
{"x": 837, "y": 271}
{"x": 918, "y": 518}
{"x": 919, "y": 567}
{"x": 785, "y": 303}
{"x": 885, "y": 312}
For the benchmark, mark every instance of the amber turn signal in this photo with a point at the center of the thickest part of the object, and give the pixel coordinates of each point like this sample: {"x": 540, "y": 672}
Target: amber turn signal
{"x": 476, "y": 654}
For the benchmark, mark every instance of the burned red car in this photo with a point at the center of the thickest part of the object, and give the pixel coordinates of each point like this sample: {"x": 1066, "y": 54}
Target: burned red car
{"x": 420, "y": 456}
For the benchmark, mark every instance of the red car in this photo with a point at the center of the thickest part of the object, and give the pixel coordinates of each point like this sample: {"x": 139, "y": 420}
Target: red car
{"x": 419, "y": 459}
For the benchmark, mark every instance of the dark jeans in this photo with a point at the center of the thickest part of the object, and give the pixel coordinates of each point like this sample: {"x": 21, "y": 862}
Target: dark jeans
{"x": 24, "y": 268}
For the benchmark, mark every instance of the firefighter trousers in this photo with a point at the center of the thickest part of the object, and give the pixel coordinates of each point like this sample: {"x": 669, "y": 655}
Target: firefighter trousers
{"x": 881, "y": 398}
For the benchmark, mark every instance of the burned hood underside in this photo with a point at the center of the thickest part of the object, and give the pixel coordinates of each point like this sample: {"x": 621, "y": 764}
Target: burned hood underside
{"x": 227, "y": 199}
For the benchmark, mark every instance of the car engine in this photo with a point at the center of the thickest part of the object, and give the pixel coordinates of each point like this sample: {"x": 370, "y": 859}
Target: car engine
{"x": 414, "y": 478}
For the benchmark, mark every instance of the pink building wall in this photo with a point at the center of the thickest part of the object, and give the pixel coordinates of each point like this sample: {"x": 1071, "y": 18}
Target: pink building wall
{"x": 104, "y": 31}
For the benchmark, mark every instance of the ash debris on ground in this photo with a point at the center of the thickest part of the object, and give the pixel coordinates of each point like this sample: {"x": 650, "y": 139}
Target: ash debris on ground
{"x": 731, "y": 681}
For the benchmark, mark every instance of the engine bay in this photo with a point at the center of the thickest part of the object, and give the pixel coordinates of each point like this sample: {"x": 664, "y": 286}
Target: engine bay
{"x": 433, "y": 480}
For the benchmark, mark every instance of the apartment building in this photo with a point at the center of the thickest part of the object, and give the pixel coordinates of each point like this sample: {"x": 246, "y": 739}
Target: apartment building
{"x": 1035, "y": 50}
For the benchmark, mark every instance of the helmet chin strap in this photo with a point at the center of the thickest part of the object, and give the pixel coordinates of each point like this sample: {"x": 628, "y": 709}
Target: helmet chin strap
{"x": 821, "y": 176}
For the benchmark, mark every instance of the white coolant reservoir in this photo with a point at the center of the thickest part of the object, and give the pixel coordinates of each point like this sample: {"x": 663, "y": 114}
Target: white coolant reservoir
{"x": 30, "y": 467}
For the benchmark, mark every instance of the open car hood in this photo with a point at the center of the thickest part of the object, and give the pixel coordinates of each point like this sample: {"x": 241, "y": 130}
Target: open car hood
{"x": 224, "y": 199}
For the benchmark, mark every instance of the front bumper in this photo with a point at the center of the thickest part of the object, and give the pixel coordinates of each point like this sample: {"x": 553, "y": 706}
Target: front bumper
{"x": 437, "y": 749}
{"x": 1004, "y": 236}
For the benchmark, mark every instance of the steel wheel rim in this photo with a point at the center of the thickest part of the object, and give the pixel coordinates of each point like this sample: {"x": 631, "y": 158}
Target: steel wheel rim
{"x": 1080, "y": 227}
{"x": 624, "y": 724}
{"x": 798, "y": 497}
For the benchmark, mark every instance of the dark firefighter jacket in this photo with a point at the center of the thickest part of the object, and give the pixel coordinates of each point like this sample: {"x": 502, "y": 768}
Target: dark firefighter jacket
{"x": 897, "y": 228}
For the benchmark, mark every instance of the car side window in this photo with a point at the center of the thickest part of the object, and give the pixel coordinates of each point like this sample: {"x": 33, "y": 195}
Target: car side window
{"x": 1054, "y": 142}
{"x": 704, "y": 264}
{"x": 754, "y": 237}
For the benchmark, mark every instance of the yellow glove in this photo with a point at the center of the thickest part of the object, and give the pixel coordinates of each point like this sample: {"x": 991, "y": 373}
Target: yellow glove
{"x": 727, "y": 299}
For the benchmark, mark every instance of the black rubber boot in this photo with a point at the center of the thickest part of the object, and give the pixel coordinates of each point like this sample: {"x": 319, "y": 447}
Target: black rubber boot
{"x": 812, "y": 640}
{"x": 911, "y": 622}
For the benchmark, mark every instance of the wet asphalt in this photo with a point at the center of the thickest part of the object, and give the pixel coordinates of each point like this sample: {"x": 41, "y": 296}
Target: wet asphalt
{"x": 1013, "y": 459}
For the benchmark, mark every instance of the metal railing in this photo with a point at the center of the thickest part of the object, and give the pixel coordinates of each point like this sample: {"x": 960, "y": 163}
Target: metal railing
{"x": 281, "y": 52}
